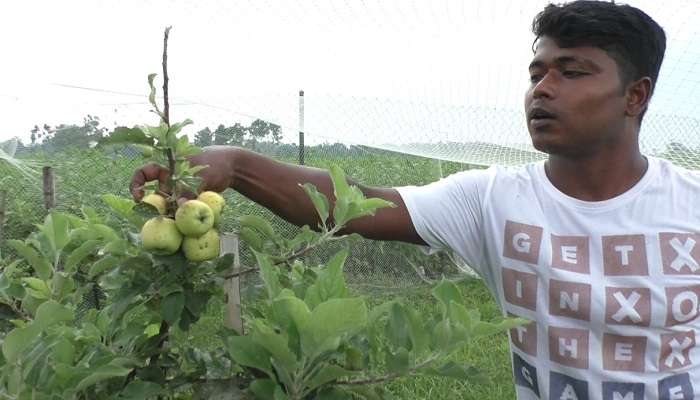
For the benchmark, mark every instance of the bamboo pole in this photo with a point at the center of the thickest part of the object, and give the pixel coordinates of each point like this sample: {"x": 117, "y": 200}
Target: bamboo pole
{"x": 301, "y": 127}
{"x": 49, "y": 188}
{"x": 233, "y": 318}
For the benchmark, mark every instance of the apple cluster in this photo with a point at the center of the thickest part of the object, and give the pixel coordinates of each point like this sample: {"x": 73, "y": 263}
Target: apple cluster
{"x": 193, "y": 230}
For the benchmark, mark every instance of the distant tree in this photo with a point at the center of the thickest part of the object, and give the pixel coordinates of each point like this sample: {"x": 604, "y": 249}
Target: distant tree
{"x": 64, "y": 136}
{"x": 260, "y": 130}
{"x": 204, "y": 137}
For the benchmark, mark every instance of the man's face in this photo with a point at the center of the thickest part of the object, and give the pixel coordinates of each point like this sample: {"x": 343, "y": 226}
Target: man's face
{"x": 575, "y": 103}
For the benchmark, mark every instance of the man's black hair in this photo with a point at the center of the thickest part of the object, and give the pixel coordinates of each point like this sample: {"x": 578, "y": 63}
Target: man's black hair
{"x": 629, "y": 36}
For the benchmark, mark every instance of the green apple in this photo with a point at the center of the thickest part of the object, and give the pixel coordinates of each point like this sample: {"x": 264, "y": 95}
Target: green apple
{"x": 194, "y": 218}
{"x": 203, "y": 248}
{"x": 161, "y": 236}
{"x": 215, "y": 201}
{"x": 156, "y": 201}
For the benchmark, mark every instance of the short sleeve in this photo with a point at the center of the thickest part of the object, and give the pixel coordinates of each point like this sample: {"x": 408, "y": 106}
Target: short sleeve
{"x": 447, "y": 214}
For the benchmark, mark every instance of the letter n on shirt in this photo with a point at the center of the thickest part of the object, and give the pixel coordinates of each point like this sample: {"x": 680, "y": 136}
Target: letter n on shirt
{"x": 570, "y": 299}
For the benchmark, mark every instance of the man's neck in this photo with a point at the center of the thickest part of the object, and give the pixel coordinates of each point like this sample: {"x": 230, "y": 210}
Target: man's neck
{"x": 597, "y": 178}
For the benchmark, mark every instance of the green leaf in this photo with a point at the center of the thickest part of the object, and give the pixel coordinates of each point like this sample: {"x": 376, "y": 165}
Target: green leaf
{"x": 420, "y": 338}
{"x": 184, "y": 148}
{"x": 171, "y": 307}
{"x": 196, "y": 169}
{"x": 341, "y": 189}
{"x": 152, "y": 94}
{"x": 50, "y": 313}
{"x": 330, "y": 283}
{"x": 451, "y": 369}
{"x": 152, "y": 330}
{"x": 177, "y": 127}
{"x": 251, "y": 238}
{"x": 263, "y": 389}
{"x": 340, "y": 211}
{"x": 246, "y": 352}
{"x": 275, "y": 344}
{"x": 483, "y": 328}
{"x": 397, "y": 327}
{"x": 258, "y": 223}
{"x": 141, "y": 390}
{"x": 319, "y": 200}
{"x": 104, "y": 232}
{"x": 159, "y": 132}
{"x": 56, "y": 228}
{"x": 447, "y": 291}
{"x": 104, "y": 264}
{"x": 333, "y": 393}
{"x": 63, "y": 351}
{"x": 37, "y": 288}
{"x": 279, "y": 394}
{"x": 290, "y": 311}
{"x": 41, "y": 265}
{"x": 116, "y": 247}
{"x": 121, "y": 206}
{"x": 330, "y": 321}
{"x": 17, "y": 341}
{"x": 269, "y": 273}
{"x": 79, "y": 254}
{"x": 124, "y": 135}
{"x": 397, "y": 362}
{"x": 328, "y": 374}
{"x": 102, "y": 373}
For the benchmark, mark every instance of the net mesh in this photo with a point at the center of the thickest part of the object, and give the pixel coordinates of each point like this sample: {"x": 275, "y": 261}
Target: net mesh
{"x": 395, "y": 92}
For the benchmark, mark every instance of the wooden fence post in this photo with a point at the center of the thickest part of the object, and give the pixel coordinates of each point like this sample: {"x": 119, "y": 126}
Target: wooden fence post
{"x": 301, "y": 127}
{"x": 49, "y": 188}
{"x": 233, "y": 318}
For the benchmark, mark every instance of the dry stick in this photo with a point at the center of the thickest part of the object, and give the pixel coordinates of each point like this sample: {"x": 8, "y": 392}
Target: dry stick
{"x": 164, "y": 326}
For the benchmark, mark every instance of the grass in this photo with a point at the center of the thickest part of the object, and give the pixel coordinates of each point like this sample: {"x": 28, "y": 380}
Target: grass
{"x": 491, "y": 355}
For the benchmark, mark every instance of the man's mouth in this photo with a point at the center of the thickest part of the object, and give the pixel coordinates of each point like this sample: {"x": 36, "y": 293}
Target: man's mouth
{"x": 537, "y": 114}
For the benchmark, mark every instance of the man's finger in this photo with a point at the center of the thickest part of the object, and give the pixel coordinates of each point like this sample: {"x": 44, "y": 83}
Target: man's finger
{"x": 148, "y": 173}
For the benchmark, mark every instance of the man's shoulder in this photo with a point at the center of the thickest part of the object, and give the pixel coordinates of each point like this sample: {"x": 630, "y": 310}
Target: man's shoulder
{"x": 675, "y": 173}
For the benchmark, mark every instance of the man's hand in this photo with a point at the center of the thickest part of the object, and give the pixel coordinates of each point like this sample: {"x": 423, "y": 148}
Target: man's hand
{"x": 217, "y": 177}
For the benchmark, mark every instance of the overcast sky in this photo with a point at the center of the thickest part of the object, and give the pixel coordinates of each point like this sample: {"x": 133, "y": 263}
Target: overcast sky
{"x": 373, "y": 70}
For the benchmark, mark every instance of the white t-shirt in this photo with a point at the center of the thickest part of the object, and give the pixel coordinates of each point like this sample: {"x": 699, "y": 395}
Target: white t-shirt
{"x": 613, "y": 286}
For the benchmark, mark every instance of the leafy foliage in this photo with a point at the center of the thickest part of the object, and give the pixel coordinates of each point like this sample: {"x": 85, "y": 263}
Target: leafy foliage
{"x": 309, "y": 338}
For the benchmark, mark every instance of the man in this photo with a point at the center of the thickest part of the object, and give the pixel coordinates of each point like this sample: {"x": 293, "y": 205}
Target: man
{"x": 597, "y": 245}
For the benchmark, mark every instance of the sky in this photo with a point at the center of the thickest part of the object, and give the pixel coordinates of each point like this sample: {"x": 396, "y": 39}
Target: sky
{"x": 373, "y": 71}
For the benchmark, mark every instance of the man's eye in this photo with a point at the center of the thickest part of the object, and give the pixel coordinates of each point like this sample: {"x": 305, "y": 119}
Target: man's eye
{"x": 573, "y": 74}
{"x": 535, "y": 78}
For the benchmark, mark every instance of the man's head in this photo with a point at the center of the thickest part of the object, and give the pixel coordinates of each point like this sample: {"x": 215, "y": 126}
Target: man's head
{"x": 594, "y": 69}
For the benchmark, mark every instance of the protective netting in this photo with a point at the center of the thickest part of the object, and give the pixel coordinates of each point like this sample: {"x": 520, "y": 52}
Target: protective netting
{"x": 396, "y": 92}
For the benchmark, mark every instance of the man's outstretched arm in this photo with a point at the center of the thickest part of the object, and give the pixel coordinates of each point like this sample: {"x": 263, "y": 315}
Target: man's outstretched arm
{"x": 276, "y": 186}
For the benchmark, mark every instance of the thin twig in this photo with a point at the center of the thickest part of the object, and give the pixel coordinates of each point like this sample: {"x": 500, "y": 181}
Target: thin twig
{"x": 388, "y": 377}
{"x": 166, "y": 103}
{"x": 239, "y": 273}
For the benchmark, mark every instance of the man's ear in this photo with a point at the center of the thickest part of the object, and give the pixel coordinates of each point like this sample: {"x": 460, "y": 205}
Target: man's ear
{"x": 638, "y": 94}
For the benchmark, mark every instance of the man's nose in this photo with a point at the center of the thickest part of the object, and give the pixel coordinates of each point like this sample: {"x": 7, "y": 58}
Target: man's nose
{"x": 546, "y": 87}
